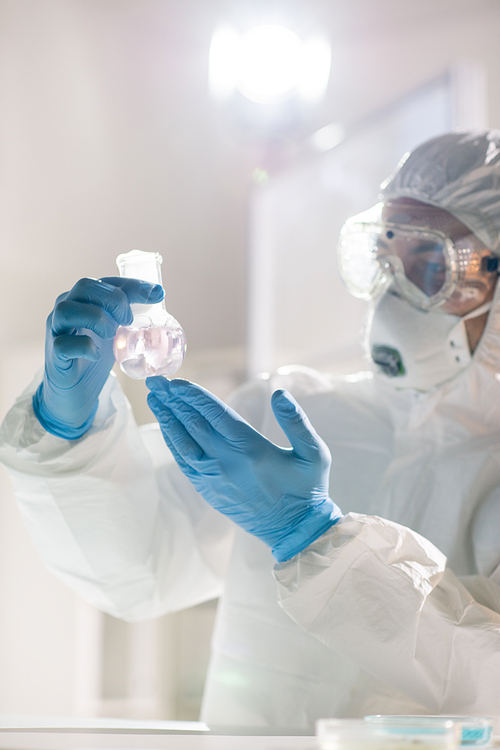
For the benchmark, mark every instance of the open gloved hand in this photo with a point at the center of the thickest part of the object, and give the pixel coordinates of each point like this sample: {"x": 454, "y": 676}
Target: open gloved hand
{"x": 278, "y": 494}
{"x": 79, "y": 350}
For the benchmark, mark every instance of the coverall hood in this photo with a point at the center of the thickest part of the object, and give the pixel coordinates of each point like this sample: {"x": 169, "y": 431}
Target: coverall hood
{"x": 458, "y": 172}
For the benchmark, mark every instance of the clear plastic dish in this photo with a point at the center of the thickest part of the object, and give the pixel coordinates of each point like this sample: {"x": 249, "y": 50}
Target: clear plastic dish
{"x": 474, "y": 730}
{"x": 408, "y": 734}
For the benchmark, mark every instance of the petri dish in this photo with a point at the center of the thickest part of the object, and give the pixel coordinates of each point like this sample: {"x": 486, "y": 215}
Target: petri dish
{"x": 474, "y": 730}
{"x": 359, "y": 734}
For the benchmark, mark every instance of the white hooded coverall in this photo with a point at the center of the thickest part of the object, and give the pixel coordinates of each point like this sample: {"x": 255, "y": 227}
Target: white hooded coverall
{"x": 395, "y": 609}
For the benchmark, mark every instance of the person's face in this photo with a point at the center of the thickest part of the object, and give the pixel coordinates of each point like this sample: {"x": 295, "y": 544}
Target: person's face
{"x": 424, "y": 261}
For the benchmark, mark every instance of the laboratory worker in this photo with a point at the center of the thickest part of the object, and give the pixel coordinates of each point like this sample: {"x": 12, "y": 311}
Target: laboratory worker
{"x": 350, "y": 526}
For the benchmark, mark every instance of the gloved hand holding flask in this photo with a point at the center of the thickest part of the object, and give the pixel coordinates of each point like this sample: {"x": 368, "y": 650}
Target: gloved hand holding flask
{"x": 79, "y": 349}
{"x": 279, "y": 495}
{"x": 94, "y": 323}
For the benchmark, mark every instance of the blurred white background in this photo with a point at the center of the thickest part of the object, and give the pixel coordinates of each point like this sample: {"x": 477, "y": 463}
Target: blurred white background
{"x": 109, "y": 140}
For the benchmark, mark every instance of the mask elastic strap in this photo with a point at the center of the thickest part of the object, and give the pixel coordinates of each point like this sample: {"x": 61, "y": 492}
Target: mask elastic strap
{"x": 479, "y": 311}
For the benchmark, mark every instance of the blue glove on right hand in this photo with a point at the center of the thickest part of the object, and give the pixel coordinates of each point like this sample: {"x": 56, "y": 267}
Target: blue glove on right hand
{"x": 79, "y": 350}
{"x": 279, "y": 495}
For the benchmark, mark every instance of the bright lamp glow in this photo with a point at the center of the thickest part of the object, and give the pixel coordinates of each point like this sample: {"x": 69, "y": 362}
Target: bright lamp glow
{"x": 268, "y": 64}
{"x": 315, "y": 69}
{"x": 223, "y": 62}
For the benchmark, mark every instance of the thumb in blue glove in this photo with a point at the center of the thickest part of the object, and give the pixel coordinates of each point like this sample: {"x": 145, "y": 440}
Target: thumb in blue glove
{"x": 79, "y": 350}
{"x": 280, "y": 495}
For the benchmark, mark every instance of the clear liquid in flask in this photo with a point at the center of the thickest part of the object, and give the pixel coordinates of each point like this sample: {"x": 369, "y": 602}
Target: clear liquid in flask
{"x": 154, "y": 344}
{"x": 152, "y": 350}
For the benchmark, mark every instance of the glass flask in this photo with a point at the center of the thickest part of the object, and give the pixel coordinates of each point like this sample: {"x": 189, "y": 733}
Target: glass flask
{"x": 154, "y": 344}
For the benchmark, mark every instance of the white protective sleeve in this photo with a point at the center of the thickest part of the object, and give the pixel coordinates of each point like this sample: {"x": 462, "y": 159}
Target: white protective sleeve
{"x": 381, "y": 594}
{"x": 112, "y": 515}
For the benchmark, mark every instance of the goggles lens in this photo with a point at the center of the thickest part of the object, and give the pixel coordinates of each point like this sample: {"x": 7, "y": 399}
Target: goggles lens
{"x": 427, "y": 255}
{"x": 421, "y": 263}
{"x": 423, "y": 258}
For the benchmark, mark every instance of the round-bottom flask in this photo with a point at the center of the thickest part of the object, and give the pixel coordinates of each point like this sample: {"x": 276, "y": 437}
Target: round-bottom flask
{"x": 154, "y": 344}
{"x": 144, "y": 350}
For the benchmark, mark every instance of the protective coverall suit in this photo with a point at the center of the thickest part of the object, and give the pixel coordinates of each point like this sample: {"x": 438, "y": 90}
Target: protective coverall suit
{"x": 395, "y": 609}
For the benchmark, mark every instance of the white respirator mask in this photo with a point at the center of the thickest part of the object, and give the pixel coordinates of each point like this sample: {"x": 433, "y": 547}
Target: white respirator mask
{"x": 414, "y": 348}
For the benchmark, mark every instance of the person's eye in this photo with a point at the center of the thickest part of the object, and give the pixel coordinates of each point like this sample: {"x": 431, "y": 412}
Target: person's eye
{"x": 436, "y": 267}
{"x": 427, "y": 248}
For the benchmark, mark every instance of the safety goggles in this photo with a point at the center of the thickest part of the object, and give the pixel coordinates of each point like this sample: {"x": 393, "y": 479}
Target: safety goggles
{"x": 391, "y": 245}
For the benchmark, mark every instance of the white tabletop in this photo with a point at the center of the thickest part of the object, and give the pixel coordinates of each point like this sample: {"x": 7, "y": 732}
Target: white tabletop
{"x": 53, "y": 733}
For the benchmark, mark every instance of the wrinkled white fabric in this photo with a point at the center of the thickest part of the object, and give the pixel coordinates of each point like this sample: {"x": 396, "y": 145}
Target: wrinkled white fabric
{"x": 459, "y": 172}
{"x": 366, "y": 620}
{"x": 72, "y": 493}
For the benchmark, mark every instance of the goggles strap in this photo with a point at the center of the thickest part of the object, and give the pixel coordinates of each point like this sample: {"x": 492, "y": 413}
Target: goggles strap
{"x": 479, "y": 311}
{"x": 490, "y": 263}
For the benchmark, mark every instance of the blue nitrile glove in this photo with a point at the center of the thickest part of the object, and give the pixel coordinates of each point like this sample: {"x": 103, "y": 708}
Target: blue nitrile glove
{"x": 278, "y": 494}
{"x": 79, "y": 350}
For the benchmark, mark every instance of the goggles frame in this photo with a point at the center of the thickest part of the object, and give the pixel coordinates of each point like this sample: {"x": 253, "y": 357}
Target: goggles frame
{"x": 359, "y": 241}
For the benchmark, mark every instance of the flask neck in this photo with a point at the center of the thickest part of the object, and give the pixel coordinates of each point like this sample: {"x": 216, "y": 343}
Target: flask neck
{"x": 145, "y": 266}
{"x": 140, "y": 265}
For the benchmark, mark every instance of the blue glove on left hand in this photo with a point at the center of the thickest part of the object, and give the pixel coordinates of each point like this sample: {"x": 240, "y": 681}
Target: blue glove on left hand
{"x": 278, "y": 494}
{"x": 79, "y": 350}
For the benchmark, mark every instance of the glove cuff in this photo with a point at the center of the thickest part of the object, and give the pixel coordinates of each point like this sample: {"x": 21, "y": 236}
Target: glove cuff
{"x": 320, "y": 519}
{"x": 56, "y": 427}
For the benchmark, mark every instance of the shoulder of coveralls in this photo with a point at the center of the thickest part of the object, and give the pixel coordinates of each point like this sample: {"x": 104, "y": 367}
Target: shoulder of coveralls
{"x": 252, "y": 399}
